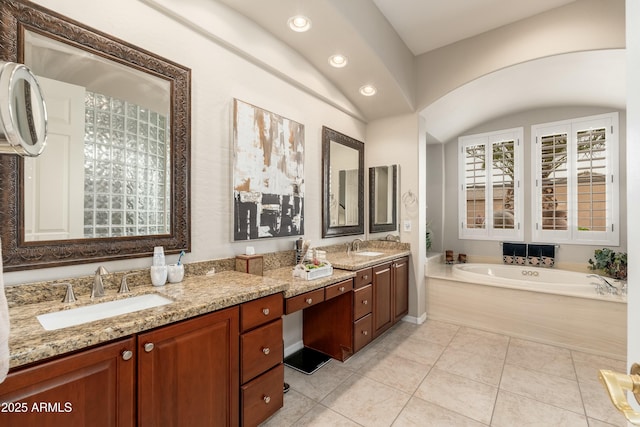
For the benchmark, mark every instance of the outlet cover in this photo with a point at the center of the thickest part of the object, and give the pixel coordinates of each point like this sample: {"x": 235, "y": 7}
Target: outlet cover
{"x": 407, "y": 225}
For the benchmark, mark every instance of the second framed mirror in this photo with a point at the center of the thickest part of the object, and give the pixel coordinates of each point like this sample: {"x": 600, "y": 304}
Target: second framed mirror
{"x": 342, "y": 184}
{"x": 383, "y": 189}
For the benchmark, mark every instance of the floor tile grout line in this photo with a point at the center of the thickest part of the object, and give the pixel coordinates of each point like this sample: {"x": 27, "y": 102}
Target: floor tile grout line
{"x": 499, "y": 387}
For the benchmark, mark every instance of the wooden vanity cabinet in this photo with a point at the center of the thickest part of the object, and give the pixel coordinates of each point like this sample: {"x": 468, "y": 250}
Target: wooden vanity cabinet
{"x": 390, "y": 294}
{"x": 93, "y": 387}
{"x": 328, "y": 327}
{"x": 261, "y": 359}
{"x": 362, "y": 317}
{"x": 188, "y": 372}
{"x": 400, "y": 277}
{"x": 382, "y": 298}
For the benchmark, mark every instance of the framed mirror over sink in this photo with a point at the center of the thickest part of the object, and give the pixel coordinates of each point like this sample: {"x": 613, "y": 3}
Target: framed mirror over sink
{"x": 114, "y": 180}
{"x": 383, "y": 188}
{"x": 342, "y": 184}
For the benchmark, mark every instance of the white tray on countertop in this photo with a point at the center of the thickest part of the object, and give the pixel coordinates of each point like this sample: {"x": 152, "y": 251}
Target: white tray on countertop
{"x": 314, "y": 273}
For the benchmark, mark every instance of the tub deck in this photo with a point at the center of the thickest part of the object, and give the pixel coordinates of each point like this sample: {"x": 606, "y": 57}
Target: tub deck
{"x": 596, "y": 326}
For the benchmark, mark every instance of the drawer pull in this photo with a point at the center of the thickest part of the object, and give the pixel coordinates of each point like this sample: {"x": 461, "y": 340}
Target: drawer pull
{"x": 127, "y": 355}
{"x": 365, "y": 302}
{"x": 365, "y": 333}
{"x": 309, "y": 301}
{"x": 341, "y": 288}
{"x": 365, "y": 277}
{"x": 265, "y": 311}
{"x": 266, "y": 350}
{"x": 266, "y": 399}
{"x": 148, "y": 347}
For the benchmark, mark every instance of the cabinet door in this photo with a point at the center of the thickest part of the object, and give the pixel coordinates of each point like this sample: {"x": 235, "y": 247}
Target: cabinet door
{"x": 401, "y": 288}
{"x": 382, "y": 299}
{"x": 92, "y": 388}
{"x": 188, "y": 372}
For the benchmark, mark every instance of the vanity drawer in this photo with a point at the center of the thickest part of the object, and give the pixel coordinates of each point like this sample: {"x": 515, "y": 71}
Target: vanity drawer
{"x": 305, "y": 300}
{"x": 338, "y": 289}
{"x": 362, "y": 332}
{"x": 362, "y": 301}
{"x": 363, "y": 278}
{"x": 260, "y": 311}
{"x": 261, "y": 349}
{"x": 262, "y": 397}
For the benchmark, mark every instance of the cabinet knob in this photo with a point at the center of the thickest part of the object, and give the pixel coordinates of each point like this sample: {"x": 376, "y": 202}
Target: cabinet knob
{"x": 341, "y": 288}
{"x": 365, "y": 333}
{"x": 148, "y": 347}
{"x": 266, "y": 399}
{"x": 309, "y": 300}
{"x": 266, "y": 350}
{"x": 366, "y": 276}
{"x": 127, "y": 355}
{"x": 265, "y": 311}
{"x": 365, "y": 302}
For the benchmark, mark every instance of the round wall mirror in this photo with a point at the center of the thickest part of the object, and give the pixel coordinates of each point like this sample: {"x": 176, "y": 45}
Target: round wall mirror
{"x": 23, "y": 114}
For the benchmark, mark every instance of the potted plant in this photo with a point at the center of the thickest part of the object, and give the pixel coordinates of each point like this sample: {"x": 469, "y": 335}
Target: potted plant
{"x": 613, "y": 264}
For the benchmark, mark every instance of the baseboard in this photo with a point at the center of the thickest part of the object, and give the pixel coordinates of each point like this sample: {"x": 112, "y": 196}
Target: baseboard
{"x": 293, "y": 348}
{"x": 415, "y": 320}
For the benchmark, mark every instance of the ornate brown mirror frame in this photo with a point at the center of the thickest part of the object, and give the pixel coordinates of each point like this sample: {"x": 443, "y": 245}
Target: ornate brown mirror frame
{"x": 386, "y": 199}
{"x": 17, "y": 17}
{"x": 330, "y": 136}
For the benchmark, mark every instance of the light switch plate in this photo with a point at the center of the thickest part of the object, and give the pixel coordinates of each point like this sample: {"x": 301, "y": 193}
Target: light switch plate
{"x": 407, "y": 225}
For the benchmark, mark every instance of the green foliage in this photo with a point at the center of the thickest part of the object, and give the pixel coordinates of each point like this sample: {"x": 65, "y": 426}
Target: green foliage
{"x": 428, "y": 239}
{"x": 614, "y": 264}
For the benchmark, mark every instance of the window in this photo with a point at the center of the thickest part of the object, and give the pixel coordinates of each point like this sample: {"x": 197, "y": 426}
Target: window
{"x": 490, "y": 200}
{"x": 575, "y": 164}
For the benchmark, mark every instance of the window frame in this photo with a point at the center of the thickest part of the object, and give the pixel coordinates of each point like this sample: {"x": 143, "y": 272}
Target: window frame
{"x": 572, "y": 235}
{"x": 489, "y": 232}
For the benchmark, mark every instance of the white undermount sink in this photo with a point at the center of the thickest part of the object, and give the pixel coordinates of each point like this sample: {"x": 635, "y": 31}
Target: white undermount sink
{"x": 89, "y": 313}
{"x": 369, "y": 253}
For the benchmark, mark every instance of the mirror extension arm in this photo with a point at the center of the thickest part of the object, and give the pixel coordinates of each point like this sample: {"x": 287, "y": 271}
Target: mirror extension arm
{"x": 617, "y": 386}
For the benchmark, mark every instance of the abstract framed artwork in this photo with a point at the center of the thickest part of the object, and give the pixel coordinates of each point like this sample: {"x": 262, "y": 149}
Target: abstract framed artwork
{"x": 268, "y": 174}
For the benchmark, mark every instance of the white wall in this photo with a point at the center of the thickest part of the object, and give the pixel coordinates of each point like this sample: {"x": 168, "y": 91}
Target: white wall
{"x": 633, "y": 182}
{"x": 577, "y": 26}
{"x": 573, "y": 254}
{"x": 401, "y": 140}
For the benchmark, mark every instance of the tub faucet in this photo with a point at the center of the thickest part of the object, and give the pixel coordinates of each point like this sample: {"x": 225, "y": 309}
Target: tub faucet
{"x": 98, "y": 287}
{"x": 604, "y": 284}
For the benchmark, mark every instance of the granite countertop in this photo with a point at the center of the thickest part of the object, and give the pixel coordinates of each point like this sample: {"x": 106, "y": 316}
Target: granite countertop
{"x": 297, "y": 285}
{"x": 30, "y": 342}
{"x": 200, "y": 294}
{"x": 353, "y": 261}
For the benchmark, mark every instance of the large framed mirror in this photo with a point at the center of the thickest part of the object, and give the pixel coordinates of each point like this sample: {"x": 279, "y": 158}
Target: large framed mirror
{"x": 342, "y": 184}
{"x": 383, "y": 187}
{"x": 113, "y": 181}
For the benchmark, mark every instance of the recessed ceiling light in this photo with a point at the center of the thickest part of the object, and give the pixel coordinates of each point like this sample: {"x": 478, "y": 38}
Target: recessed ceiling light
{"x": 299, "y": 23}
{"x": 368, "y": 90}
{"x": 338, "y": 61}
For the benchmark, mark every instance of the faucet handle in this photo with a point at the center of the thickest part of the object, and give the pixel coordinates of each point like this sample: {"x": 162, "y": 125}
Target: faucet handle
{"x": 69, "y": 296}
{"x": 124, "y": 287}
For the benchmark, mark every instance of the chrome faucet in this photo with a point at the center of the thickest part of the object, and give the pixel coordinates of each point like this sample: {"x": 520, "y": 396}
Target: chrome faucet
{"x": 98, "y": 287}
{"x": 603, "y": 285}
{"x": 355, "y": 245}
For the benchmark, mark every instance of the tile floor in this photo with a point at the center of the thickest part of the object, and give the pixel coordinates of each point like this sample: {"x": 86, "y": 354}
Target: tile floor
{"x": 439, "y": 374}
